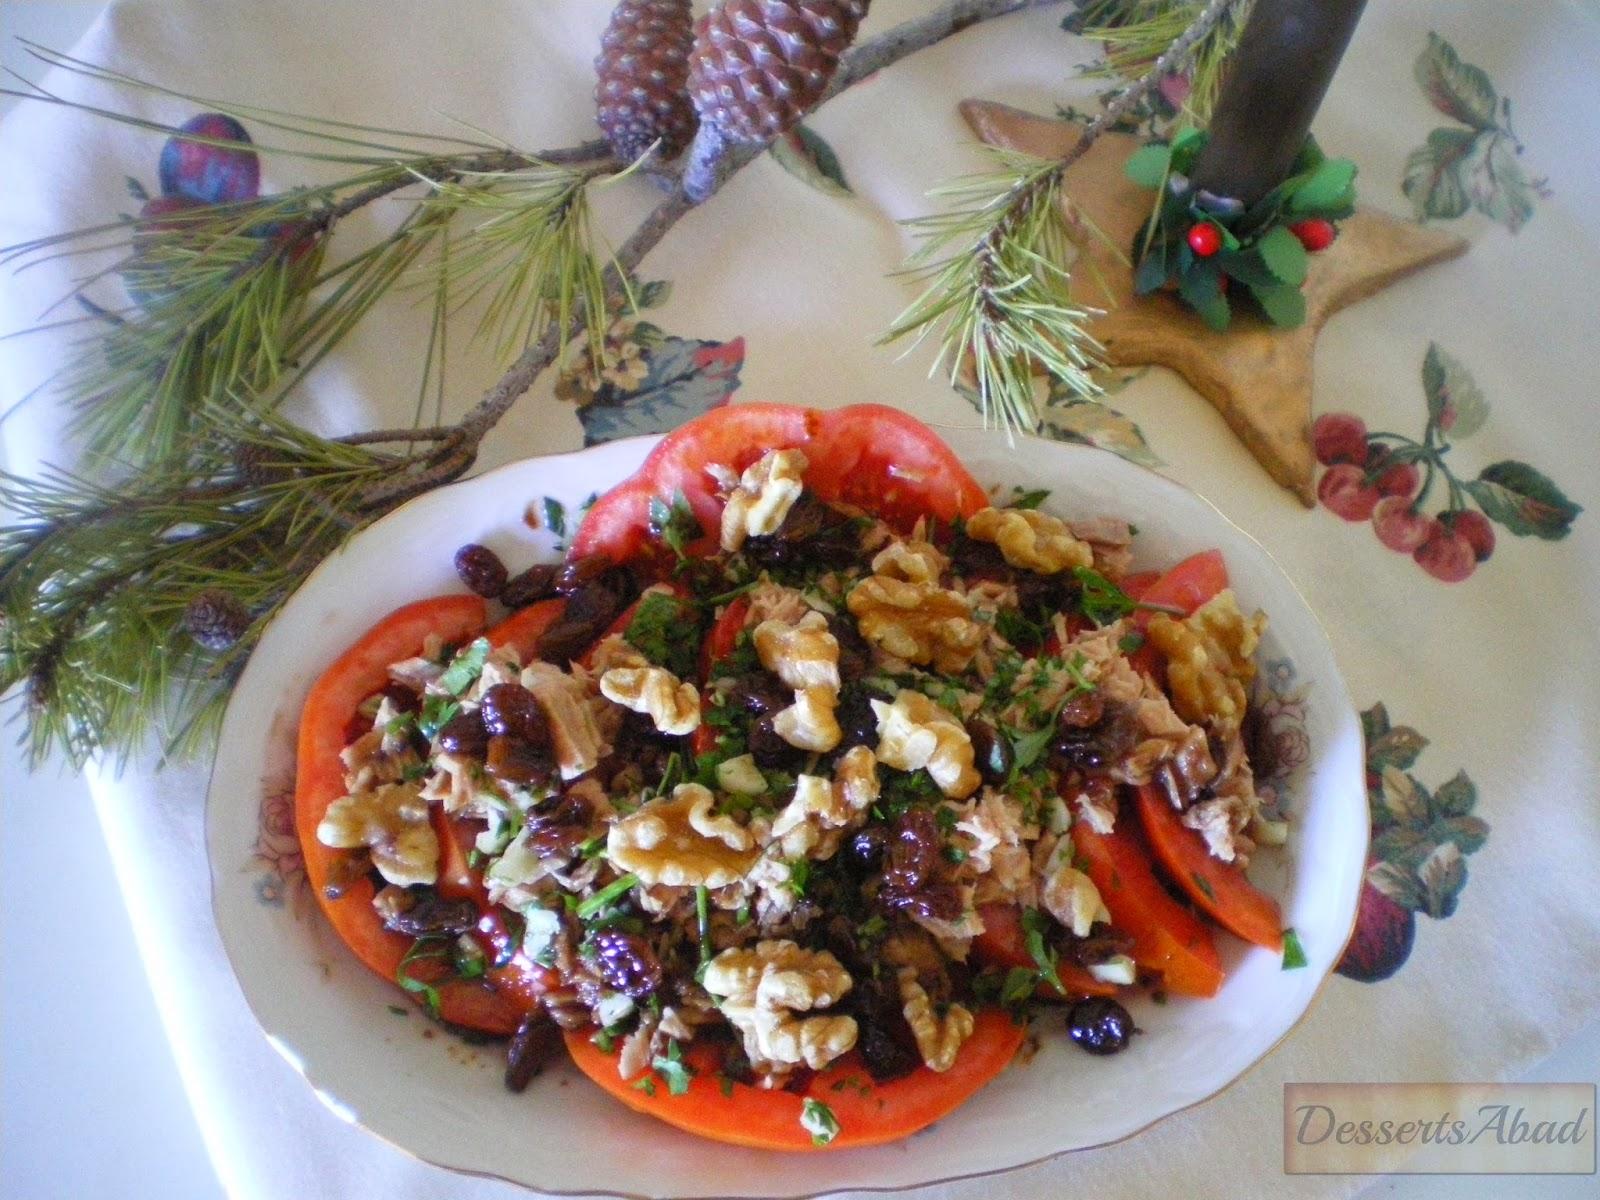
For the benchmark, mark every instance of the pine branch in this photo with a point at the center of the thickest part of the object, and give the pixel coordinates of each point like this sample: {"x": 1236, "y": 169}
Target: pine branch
{"x": 997, "y": 290}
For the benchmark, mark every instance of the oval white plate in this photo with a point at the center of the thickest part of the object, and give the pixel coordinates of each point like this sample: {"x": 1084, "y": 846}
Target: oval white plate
{"x": 379, "y": 1063}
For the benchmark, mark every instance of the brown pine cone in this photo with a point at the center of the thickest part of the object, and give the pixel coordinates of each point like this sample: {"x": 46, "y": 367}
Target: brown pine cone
{"x": 758, "y": 65}
{"x": 643, "y": 69}
{"x": 215, "y": 620}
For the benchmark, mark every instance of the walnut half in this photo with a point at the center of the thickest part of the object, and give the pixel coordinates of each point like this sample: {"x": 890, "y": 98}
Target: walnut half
{"x": 921, "y": 623}
{"x": 392, "y": 822}
{"x": 672, "y": 706}
{"x": 680, "y": 842}
{"x": 1030, "y": 539}
{"x": 938, "y": 1038}
{"x": 760, "y": 991}
{"x": 1210, "y": 660}
{"x": 915, "y": 733}
{"x": 766, "y": 492}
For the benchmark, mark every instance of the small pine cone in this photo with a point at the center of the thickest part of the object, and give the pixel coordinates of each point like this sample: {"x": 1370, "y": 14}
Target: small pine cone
{"x": 255, "y": 464}
{"x": 642, "y": 91}
{"x": 215, "y": 620}
{"x": 758, "y": 65}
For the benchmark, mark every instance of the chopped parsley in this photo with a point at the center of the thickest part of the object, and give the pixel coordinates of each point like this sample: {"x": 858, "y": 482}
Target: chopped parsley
{"x": 1131, "y": 642}
{"x": 674, "y": 524}
{"x": 1045, "y": 958}
{"x": 465, "y": 668}
{"x": 422, "y": 949}
{"x": 1294, "y": 954}
{"x": 702, "y": 913}
{"x": 555, "y": 515}
{"x": 646, "y": 1085}
{"x": 614, "y": 890}
{"x": 437, "y": 712}
{"x": 799, "y": 875}
{"x": 665, "y": 629}
{"x": 817, "y": 1119}
{"x": 671, "y": 1067}
{"x": 1204, "y": 885}
{"x": 1029, "y": 499}
{"x": 1101, "y": 600}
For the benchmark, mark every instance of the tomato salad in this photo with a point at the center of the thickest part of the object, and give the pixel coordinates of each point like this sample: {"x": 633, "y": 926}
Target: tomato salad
{"x": 811, "y": 775}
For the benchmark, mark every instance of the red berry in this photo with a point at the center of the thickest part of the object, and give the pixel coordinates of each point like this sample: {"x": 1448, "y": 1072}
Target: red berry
{"x": 207, "y": 172}
{"x": 1205, "y": 240}
{"x": 1446, "y": 555}
{"x": 1339, "y": 438}
{"x": 1346, "y": 492}
{"x": 1473, "y": 526}
{"x": 1399, "y": 526}
{"x": 1314, "y": 233}
{"x": 1399, "y": 480}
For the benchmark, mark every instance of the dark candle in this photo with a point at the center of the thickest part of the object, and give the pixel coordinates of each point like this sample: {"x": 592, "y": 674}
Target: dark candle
{"x": 1277, "y": 77}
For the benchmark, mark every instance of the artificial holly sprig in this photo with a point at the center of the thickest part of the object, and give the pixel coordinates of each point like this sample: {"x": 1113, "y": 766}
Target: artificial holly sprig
{"x": 1199, "y": 243}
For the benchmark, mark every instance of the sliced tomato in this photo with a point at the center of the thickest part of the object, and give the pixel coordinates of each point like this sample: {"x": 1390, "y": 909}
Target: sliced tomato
{"x": 359, "y": 672}
{"x": 1185, "y": 587}
{"x": 724, "y": 635}
{"x": 1137, "y": 584}
{"x": 1003, "y": 943}
{"x": 868, "y": 1113}
{"x": 1218, "y": 889}
{"x": 523, "y": 628}
{"x": 1167, "y": 937}
{"x": 875, "y": 457}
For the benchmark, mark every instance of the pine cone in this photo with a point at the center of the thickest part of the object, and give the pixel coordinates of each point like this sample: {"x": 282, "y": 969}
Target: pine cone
{"x": 643, "y": 69}
{"x": 758, "y": 65}
{"x": 215, "y": 620}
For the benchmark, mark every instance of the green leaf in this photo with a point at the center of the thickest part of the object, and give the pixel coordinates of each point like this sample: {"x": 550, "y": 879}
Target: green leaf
{"x": 1398, "y": 883}
{"x": 1331, "y": 186}
{"x": 1374, "y": 723}
{"x": 1404, "y": 799}
{"x": 465, "y": 668}
{"x": 1294, "y": 955}
{"x": 1457, "y": 89}
{"x": 1468, "y": 833}
{"x": 807, "y": 156}
{"x": 1283, "y": 255}
{"x": 1442, "y": 874}
{"x": 1433, "y": 176}
{"x": 653, "y": 293}
{"x": 1455, "y": 402}
{"x": 1401, "y": 846}
{"x": 1284, "y": 306}
{"x": 1248, "y": 268}
{"x": 1496, "y": 183}
{"x": 1091, "y": 423}
{"x": 1201, "y": 289}
{"x": 1524, "y": 501}
{"x": 817, "y": 1119}
{"x": 671, "y": 1067}
{"x": 1147, "y": 166}
{"x": 1395, "y": 747}
{"x": 1456, "y": 797}
{"x": 1151, "y": 274}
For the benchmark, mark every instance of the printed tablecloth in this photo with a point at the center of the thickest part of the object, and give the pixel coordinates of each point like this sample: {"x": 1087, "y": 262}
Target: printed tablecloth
{"x": 1478, "y": 944}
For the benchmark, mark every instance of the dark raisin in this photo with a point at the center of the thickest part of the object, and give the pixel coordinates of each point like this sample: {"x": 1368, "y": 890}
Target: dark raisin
{"x": 912, "y": 855}
{"x": 480, "y": 569}
{"x": 866, "y": 849}
{"x": 626, "y": 963}
{"x": 433, "y": 916}
{"x": 1098, "y": 947}
{"x": 1082, "y": 711}
{"x": 512, "y": 760}
{"x": 973, "y": 559}
{"x": 991, "y": 753}
{"x": 934, "y": 902}
{"x": 1099, "y": 1025}
{"x": 510, "y": 710}
{"x": 770, "y": 751}
{"x": 536, "y": 1042}
{"x": 559, "y": 831}
{"x": 858, "y": 724}
{"x": 884, "y": 1039}
{"x": 401, "y": 698}
{"x": 578, "y": 573}
{"x": 760, "y": 693}
{"x": 770, "y": 551}
{"x": 538, "y": 582}
{"x": 464, "y": 734}
{"x": 855, "y": 656}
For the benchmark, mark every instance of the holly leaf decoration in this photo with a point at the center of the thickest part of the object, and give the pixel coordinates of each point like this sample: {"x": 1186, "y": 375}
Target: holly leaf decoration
{"x": 1458, "y": 89}
{"x": 1442, "y": 874}
{"x": 1496, "y": 184}
{"x": 1147, "y": 166}
{"x": 1090, "y": 423}
{"x": 1433, "y": 181}
{"x": 1283, "y": 255}
{"x": 807, "y": 156}
{"x": 1201, "y": 289}
{"x": 1285, "y": 306}
{"x": 1456, "y": 404}
{"x": 1330, "y": 188}
{"x": 1394, "y": 747}
{"x": 1523, "y": 500}
{"x": 1456, "y": 797}
{"x": 685, "y": 378}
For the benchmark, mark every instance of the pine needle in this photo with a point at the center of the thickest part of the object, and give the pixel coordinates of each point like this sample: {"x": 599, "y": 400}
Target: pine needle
{"x": 1137, "y": 32}
{"x": 998, "y": 291}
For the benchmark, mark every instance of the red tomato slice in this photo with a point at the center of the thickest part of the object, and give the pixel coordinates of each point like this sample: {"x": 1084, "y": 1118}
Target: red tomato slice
{"x": 868, "y": 1113}
{"x": 1166, "y": 936}
{"x": 1218, "y": 889}
{"x": 359, "y": 672}
{"x": 1004, "y": 944}
{"x": 523, "y": 628}
{"x": 1186, "y": 586}
{"x": 877, "y": 458}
